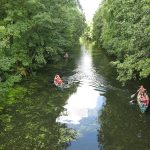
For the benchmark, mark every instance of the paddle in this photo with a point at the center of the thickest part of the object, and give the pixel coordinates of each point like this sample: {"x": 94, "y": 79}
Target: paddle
{"x": 133, "y": 95}
{"x": 133, "y": 101}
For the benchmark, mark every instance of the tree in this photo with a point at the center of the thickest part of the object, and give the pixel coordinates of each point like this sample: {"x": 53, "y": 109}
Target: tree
{"x": 122, "y": 29}
{"x": 33, "y": 32}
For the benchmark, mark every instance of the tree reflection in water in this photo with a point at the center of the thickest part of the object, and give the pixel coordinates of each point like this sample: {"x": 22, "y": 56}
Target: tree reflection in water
{"x": 30, "y": 121}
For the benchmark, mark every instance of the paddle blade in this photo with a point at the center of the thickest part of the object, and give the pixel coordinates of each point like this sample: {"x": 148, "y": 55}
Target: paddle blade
{"x": 133, "y": 95}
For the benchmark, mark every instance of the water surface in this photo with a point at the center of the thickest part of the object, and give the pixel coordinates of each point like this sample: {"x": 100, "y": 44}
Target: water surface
{"x": 92, "y": 112}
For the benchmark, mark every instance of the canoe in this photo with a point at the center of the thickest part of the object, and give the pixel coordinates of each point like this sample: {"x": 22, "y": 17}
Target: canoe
{"x": 143, "y": 106}
{"x": 59, "y": 86}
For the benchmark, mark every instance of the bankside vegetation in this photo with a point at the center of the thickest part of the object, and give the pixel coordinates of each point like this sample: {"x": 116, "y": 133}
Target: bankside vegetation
{"x": 122, "y": 29}
{"x": 33, "y": 32}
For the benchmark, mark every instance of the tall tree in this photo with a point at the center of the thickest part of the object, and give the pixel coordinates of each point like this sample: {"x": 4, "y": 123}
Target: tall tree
{"x": 33, "y": 32}
{"x": 122, "y": 29}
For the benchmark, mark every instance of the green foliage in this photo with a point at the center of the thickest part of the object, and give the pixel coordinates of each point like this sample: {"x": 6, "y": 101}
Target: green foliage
{"x": 33, "y": 32}
{"x": 88, "y": 33}
{"x": 10, "y": 98}
{"x": 122, "y": 29}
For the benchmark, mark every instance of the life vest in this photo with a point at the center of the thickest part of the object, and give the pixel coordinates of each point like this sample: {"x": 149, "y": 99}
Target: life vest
{"x": 144, "y": 100}
{"x": 57, "y": 80}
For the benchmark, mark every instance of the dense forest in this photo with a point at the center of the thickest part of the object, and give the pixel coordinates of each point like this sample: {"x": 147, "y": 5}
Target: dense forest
{"x": 122, "y": 29}
{"x": 34, "y": 32}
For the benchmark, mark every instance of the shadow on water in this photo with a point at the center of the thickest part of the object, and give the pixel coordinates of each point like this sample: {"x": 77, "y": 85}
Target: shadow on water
{"x": 30, "y": 121}
{"x": 122, "y": 124}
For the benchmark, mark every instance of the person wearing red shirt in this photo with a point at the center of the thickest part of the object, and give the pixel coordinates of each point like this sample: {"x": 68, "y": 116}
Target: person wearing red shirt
{"x": 57, "y": 80}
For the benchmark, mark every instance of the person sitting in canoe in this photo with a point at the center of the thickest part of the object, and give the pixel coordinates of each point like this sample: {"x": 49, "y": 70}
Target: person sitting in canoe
{"x": 57, "y": 80}
{"x": 141, "y": 90}
{"x": 144, "y": 100}
{"x": 66, "y": 55}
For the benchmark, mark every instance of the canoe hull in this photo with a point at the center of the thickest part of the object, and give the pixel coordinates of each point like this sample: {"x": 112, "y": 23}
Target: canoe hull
{"x": 143, "y": 107}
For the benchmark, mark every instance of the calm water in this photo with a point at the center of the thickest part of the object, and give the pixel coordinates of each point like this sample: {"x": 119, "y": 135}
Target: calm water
{"x": 91, "y": 113}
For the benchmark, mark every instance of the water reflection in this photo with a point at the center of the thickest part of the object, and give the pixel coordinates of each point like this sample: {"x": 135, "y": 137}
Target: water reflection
{"x": 30, "y": 122}
{"x": 84, "y": 106}
{"x": 84, "y": 103}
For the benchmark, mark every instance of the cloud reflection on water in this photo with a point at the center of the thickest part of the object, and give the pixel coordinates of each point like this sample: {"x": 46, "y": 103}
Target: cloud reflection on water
{"x": 81, "y": 104}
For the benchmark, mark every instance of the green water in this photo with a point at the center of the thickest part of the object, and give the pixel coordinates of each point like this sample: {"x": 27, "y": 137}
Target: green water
{"x": 92, "y": 112}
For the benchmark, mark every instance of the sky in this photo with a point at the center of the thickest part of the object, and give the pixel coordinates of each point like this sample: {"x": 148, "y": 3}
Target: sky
{"x": 89, "y": 8}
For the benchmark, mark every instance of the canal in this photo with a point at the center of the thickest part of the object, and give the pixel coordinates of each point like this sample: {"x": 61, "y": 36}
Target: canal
{"x": 91, "y": 112}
